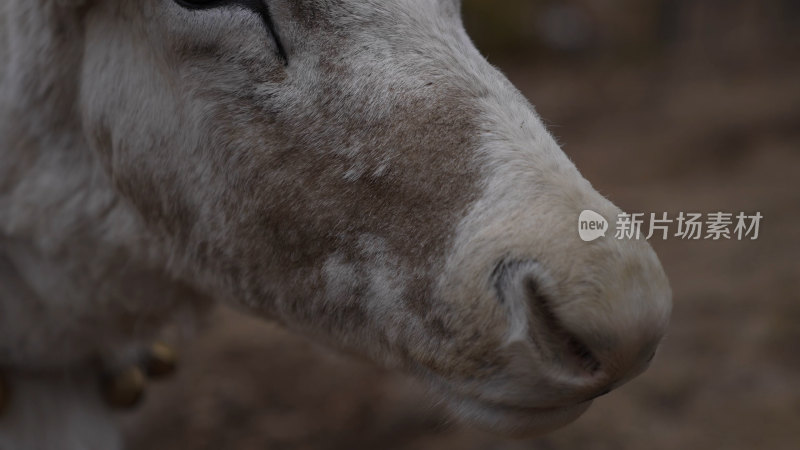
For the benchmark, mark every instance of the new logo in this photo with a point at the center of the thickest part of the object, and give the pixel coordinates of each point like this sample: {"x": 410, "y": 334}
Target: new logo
{"x": 591, "y": 225}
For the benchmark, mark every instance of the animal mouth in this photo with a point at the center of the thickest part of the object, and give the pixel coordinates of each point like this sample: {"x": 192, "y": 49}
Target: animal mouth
{"x": 518, "y": 420}
{"x": 513, "y": 419}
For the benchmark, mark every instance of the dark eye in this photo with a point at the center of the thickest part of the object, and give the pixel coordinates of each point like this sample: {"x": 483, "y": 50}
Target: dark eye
{"x": 257, "y": 6}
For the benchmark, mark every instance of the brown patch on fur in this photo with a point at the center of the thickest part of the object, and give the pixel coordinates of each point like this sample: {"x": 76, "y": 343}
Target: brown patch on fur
{"x": 417, "y": 178}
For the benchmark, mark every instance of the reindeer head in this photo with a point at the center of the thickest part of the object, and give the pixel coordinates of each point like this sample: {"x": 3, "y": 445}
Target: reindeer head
{"x": 357, "y": 171}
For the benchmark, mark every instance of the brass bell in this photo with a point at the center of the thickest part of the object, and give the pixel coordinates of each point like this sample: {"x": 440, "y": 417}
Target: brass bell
{"x": 4, "y": 394}
{"x": 124, "y": 389}
{"x": 160, "y": 360}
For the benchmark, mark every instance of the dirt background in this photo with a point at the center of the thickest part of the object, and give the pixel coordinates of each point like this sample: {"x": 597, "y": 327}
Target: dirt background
{"x": 665, "y": 106}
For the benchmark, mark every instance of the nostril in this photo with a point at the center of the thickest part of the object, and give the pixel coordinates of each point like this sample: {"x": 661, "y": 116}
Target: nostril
{"x": 522, "y": 286}
{"x": 585, "y": 357}
{"x": 503, "y": 274}
{"x": 570, "y": 347}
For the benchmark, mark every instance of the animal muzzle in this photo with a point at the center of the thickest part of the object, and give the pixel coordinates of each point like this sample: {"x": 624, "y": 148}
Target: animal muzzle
{"x": 563, "y": 354}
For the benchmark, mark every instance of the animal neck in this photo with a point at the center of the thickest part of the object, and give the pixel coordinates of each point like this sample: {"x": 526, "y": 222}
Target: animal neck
{"x": 68, "y": 240}
{"x": 43, "y": 40}
{"x": 40, "y": 127}
{"x": 44, "y": 157}
{"x": 40, "y": 42}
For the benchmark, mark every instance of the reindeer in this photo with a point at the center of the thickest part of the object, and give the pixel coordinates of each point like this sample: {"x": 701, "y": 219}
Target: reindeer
{"x": 354, "y": 170}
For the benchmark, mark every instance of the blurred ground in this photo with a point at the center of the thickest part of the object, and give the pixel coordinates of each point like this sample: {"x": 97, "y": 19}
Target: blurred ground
{"x": 691, "y": 121}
